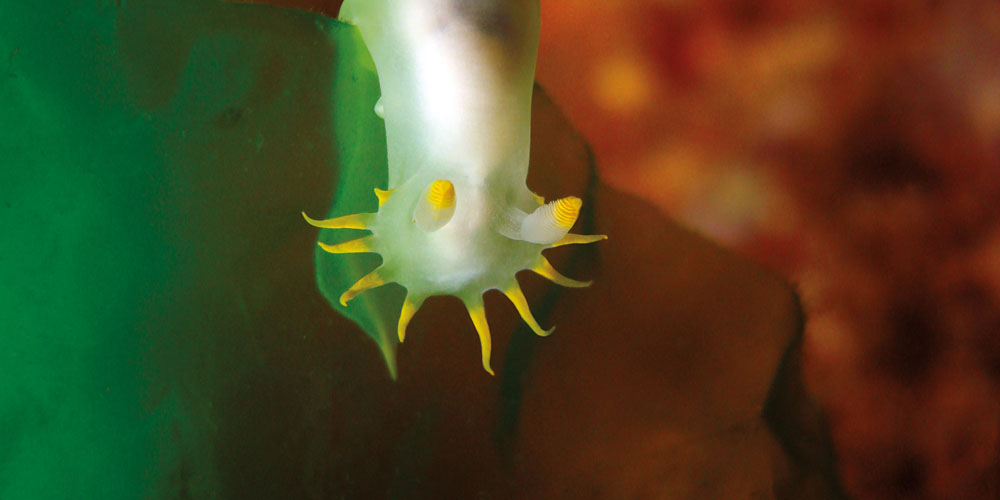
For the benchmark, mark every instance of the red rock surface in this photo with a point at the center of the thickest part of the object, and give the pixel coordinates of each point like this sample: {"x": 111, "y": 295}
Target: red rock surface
{"x": 853, "y": 146}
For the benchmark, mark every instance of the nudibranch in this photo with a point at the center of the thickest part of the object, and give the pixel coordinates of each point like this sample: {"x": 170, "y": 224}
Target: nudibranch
{"x": 457, "y": 217}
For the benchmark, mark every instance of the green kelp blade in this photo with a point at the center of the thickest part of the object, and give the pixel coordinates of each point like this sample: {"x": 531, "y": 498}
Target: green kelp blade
{"x": 360, "y": 146}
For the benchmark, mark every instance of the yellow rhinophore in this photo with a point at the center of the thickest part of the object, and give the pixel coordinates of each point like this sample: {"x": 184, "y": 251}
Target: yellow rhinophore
{"x": 566, "y": 210}
{"x": 436, "y": 207}
{"x": 441, "y": 194}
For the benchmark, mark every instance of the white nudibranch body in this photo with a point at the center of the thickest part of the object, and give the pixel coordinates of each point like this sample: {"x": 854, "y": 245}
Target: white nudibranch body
{"x": 457, "y": 219}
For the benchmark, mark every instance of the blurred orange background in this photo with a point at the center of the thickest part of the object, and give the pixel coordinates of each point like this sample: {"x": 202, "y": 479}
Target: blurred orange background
{"x": 853, "y": 146}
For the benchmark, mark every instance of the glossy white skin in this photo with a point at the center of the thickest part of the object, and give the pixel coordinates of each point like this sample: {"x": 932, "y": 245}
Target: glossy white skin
{"x": 456, "y": 79}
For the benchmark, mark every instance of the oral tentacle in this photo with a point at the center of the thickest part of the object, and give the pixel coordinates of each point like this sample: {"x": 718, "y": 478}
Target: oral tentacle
{"x": 383, "y": 195}
{"x": 371, "y": 280}
{"x": 578, "y": 239}
{"x": 360, "y": 245}
{"x": 478, "y": 314}
{"x": 353, "y": 221}
{"x": 410, "y": 307}
{"x": 516, "y": 296}
{"x": 545, "y": 269}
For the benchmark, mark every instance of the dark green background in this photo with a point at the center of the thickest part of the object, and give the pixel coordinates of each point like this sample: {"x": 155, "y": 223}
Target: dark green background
{"x": 153, "y": 156}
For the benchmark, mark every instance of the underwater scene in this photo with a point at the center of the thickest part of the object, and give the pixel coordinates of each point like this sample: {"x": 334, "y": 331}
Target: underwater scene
{"x": 492, "y": 249}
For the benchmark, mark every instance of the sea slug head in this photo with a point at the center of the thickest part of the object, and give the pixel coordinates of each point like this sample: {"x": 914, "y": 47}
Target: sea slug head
{"x": 456, "y": 85}
{"x": 460, "y": 235}
{"x": 453, "y": 235}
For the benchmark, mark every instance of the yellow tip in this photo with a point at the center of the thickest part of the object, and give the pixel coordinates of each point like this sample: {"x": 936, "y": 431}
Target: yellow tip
{"x": 410, "y": 307}
{"x": 360, "y": 245}
{"x": 538, "y": 198}
{"x": 478, "y": 314}
{"x": 353, "y": 221}
{"x": 579, "y": 239}
{"x": 383, "y": 195}
{"x": 441, "y": 194}
{"x": 544, "y": 268}
{"x": 371, "y": 280}
{"x": 516, "y": 297}
{"x": 566, "y": 210}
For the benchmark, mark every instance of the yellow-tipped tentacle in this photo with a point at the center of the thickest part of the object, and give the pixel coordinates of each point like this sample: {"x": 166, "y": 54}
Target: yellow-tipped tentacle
{"x": 383, "y": 195}
{"x": 371, "y": 280}
{"x": 478, "y": 314}
{"x": 410, "y": 307}
{"x": 566, "y": 210}
{"x": 516, "y": 296}
{"x": 579, "y": 239}
{"x": 353, "y": 221}
{"x": 544, "y": 268}
{"x": 360, "y": 245}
